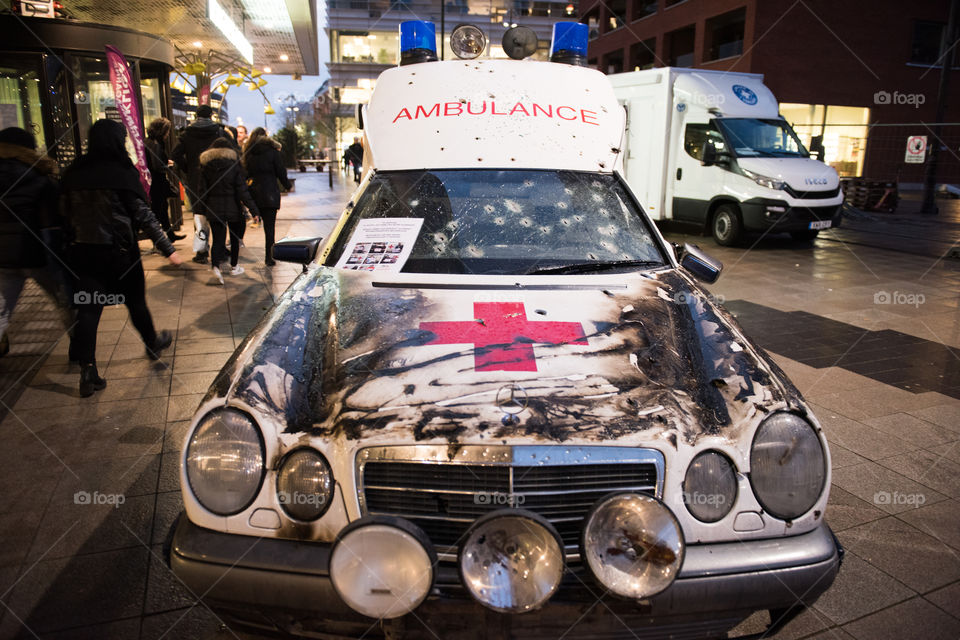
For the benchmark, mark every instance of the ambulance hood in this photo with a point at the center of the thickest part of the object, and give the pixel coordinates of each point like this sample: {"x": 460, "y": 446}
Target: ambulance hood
{"x": 354, "y": 355}
{"x": 494, "y": 114}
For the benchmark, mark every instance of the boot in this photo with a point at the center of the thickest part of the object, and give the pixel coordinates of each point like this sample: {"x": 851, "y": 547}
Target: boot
{"x": 173, "y": 236}
{"x": 90, "y": 380}
{"x": 164, "y": 339}
{"x": 201, "y": 257}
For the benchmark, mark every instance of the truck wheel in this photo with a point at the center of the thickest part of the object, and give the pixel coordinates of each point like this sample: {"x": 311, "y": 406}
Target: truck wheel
{"x": 726, "y": 225}
{"x": 807, "y": 235}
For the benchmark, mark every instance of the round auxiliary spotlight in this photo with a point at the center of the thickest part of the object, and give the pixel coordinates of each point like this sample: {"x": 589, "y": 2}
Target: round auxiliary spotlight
{"x": 632, "y": 544}
{"x": 467, "y": 41}
{"x": 519, "y": 42}
{"x": 511, "y": 561}
{"x": 382, "y": 567}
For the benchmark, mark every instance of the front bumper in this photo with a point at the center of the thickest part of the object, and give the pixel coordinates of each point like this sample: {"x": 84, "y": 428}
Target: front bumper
{"x": 761, "y": 214}
{"x": 286, "y": 584}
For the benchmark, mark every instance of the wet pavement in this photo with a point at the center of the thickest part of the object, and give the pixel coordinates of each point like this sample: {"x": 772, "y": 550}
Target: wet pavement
{"x": 867, "y": 328}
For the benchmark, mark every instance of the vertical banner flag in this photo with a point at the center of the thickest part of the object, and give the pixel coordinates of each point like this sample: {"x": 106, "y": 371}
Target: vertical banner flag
{"x": 125, "y": 96}
{"x": 204, "y": 95}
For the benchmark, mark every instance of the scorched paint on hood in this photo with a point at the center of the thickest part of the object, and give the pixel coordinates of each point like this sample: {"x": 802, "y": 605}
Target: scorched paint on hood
{"x": 347, "y": 354}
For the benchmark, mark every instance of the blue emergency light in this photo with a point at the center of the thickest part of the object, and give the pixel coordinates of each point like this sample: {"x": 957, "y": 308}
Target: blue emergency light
{"x": 418, "y": 42}
{"x": 570, "y": 43}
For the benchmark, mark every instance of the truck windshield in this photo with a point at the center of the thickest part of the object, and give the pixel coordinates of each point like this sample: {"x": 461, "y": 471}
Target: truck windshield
{"x": 509, "y": 221}
{"x": 753, "y": 138}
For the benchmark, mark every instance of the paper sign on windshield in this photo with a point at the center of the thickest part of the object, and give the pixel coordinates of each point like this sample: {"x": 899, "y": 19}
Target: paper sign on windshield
{"x": 381, "y": 244}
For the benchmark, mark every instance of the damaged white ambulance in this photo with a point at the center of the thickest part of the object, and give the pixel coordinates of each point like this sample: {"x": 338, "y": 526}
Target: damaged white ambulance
{"x": 496, "y": 403}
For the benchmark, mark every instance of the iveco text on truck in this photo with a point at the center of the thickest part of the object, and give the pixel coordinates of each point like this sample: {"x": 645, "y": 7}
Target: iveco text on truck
{"x": 709, "y": 148}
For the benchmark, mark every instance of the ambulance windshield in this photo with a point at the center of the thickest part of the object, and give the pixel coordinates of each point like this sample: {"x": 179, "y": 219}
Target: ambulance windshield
{"x": 508, "y": 221}
{"x": 755, "y": 138}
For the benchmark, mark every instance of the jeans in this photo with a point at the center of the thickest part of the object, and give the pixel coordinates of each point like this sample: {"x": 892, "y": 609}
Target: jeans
{"x": 219, "y": 230}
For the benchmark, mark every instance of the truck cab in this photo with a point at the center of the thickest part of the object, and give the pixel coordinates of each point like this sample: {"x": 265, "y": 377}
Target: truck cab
{"x": 710, "y": 149}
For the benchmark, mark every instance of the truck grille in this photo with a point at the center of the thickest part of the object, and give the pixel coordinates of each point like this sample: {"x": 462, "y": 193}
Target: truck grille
{"x": 444, "y": 496}
{"x": 812, "y": 195}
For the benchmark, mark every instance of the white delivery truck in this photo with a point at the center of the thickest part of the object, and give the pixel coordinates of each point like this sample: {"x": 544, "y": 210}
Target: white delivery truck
{"x": 709, "y": 148}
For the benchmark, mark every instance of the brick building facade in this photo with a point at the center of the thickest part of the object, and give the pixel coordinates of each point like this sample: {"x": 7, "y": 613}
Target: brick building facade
{"x": 863, "y": 73}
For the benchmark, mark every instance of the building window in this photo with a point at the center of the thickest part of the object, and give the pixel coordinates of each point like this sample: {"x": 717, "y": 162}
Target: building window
{"x": 927, "y": 40}
{"x": 724, "y": 35}
{"x": 844, "y": 131}
{"x": 618, "y": 15}
{"x": 592, "y": 20}
{"x": 680, "y": 46}
{"x": 644, "y": 8}
{"x": 370, "y": 47}
{"x": 613, "y": 62}
{"x": 643, "y": 55}
{"x": 20, "y": 96}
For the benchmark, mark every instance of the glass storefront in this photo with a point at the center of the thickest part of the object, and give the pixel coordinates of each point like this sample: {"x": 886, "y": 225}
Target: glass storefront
{"x": 844, "y": 131}
{"x": 372, "y": 47}
{"x": 20, "y": 79}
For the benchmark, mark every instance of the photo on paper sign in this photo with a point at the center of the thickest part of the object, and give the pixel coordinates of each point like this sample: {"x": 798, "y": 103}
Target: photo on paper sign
{"x": 388, "y": 259}
{"x": 378, "y": 247}
{"x": 361, "y": 247}
{"x": 354, "y": 259}
{"x": 395, "y": 247}
{"x": 371, "y": 260}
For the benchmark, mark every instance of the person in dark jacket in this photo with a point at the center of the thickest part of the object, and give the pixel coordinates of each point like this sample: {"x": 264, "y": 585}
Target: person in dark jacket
{"x": 354, "y": 154}
{"x": 265, "y": 170}
{"x": 104, "y": 206}
{"x": 158, "y": 161}
{"x": 30, "y": 227}
{"x": 196, "y": 139}
{"x": 224, "y": 195}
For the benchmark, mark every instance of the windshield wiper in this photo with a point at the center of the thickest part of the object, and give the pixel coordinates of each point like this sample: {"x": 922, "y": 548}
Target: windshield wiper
{"x": 586, "y": 267}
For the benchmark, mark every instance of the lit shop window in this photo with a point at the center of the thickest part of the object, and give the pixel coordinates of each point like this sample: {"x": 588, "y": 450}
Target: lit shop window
{"x": 378, "y": 47}
{"x": 20, "y": 96}
{"x": 844, "y": 131}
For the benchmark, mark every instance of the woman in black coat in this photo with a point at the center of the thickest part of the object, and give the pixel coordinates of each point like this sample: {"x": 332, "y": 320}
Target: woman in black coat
{"x": 264, "y": 165}
{"x": 223, "y": 192}
{"x": 159, "y": 163}
{"x": 104, "y": 206}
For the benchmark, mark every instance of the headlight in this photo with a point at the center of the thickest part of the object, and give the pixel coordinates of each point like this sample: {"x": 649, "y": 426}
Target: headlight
{"x": 710, "y": 486}
{"x": 225, "y": 461}
{"x": 787, "y": 466}
{"x": 511, "y": 561}
{"x": 632, "y": 544}
{"x": 382, "y": 567}
{"x": 304, "y": 484}
{"x": 763, "y": 181}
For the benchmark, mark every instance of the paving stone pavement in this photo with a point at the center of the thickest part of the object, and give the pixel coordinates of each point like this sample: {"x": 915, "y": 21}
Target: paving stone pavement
{"x": 74, "y": 570}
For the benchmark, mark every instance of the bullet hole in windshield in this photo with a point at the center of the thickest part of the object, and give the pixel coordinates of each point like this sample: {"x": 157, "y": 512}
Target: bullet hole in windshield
{"x": 488, "y": 208}
{"x": 499, "y": 220}
{"x": 561, "y": 205}
{"x": 513, "y": 206}
{"x": 526, "y": 222}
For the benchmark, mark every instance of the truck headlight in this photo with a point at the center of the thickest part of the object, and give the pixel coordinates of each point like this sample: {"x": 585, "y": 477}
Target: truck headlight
{"x": 632, "y": 544}
{"x": 710, "y": 486}
{"x": 304, "y": 484}
{"x": 764, "y": 181}
{"x": 787, "y": 466}
{"x": 225, "y": 461}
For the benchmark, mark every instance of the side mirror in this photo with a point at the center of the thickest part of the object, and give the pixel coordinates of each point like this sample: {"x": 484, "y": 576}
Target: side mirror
{"x": 708, "y": 154}
{"x": 700, "y": 265}
{"x": 296, "y": 250}
{"x": 816, "y": 147}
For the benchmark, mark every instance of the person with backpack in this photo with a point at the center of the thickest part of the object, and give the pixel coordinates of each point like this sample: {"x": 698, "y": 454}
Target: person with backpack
{"x": 224, "y": 194}
{"x": 265, "y": 171}
{"x": 104, "y": 206}
{"x": 194, "y": 140}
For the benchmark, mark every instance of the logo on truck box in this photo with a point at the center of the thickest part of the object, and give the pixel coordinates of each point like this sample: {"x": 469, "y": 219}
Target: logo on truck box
{"x": 746, "y": 95}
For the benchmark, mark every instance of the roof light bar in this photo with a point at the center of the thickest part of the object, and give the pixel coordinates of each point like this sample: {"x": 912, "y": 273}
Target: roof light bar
{"x": 418, "y": 42}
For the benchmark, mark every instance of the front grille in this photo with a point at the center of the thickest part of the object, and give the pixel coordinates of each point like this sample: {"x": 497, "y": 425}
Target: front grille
{"x": 809, "y": 214}
{"x": 812, "y": 195}
{"x": 444, "y": 497}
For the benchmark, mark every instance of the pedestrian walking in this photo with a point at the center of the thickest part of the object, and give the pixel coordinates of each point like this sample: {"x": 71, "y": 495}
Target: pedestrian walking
{"x": 194, "y": 140}
{"x": 104, "y": 206}
{"x": 354, "y": 155}
{"x": 241, "y": 135}
{"x": 159, "y": 163}
{"x": 31, "y": 239}
{"x": 224, "y": 196}
{"x": 265, "y": 174}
